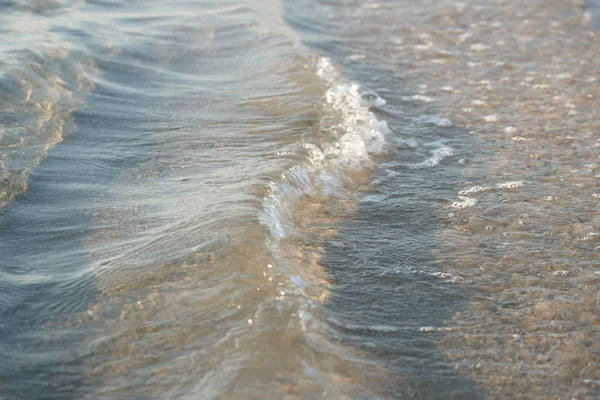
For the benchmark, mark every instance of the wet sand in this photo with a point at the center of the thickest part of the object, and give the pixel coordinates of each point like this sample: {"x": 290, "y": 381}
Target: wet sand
{"x": 524, "y": 232}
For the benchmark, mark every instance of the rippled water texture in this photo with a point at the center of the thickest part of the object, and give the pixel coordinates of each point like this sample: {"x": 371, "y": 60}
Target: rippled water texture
{"x": 302, "y": 199}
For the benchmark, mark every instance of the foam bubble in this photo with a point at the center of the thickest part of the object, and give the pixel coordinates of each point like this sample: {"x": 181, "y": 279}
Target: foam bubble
{"x": 590, "y": 236}
{"x": 422, "y": 98}
{"x": 510, "y": 185}
{"x": 475, "y": 189}
{"x": 464, "y": 202}
{"x": 519, "y": 139}
{"x": 362, "y": 133}
{"x": 359, "y": 135}
{"x": 326, "y": 70}
{"x": 427, "y": 329}
{"x": 355, "y": 57}
{"x": 437, "y": 155}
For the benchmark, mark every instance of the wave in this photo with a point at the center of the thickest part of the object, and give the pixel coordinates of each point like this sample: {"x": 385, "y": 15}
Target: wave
{"x": 43, "y": 79}
{"x": 355, "y": 135}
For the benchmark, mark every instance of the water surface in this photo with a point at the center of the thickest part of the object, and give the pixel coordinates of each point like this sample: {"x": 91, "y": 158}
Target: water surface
{"x": 304, "y": 199}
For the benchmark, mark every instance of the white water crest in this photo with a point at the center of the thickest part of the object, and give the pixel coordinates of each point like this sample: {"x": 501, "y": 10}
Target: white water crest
{"x": 354, "y": 137}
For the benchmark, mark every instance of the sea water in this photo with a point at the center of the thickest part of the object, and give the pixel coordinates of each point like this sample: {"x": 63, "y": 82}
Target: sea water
{"x": 268, "y": 199}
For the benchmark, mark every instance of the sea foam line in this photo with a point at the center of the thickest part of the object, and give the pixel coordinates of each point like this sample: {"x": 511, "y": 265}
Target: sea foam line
{"x": 356, "y": 135}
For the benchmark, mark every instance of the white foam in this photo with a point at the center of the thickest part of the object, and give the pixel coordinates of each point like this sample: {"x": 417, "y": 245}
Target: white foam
{"x": 475, "y": 189}
{"x": 355, "y": 57}
{"x": 588, "y": 237}
{"x": 510, "y": 185}
{"x": 464, "y": 202}
{"x": 361, "y": 132}
{"x": 443, "y": 275}
{"x": 427, "y": 329}
{"x": 519, "y": 139}
{"x": 422, "y": 98}
{"x": 499, "y": 186}
{"x": 326, "y": 70}
{"x": 437, "y": 155}
{"x": 356, "y": 135}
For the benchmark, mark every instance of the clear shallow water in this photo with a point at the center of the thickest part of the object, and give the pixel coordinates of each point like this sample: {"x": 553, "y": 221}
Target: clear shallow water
{"x": 298, "y": 200}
